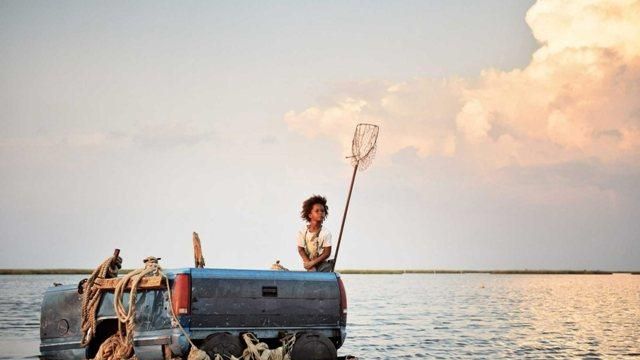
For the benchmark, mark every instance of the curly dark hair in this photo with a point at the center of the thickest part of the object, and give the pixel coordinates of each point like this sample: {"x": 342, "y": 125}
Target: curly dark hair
{"x": 307, "y": 205}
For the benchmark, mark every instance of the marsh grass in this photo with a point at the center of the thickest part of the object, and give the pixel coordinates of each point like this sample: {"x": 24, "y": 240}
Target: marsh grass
{"x": 349, "y": 271}
{"x": 495, "y": 272}
{"x": 52, "y": 271}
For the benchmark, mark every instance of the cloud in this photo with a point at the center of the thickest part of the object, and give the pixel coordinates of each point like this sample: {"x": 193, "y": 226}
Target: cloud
{"x": 578, "y": 100}
{"x": 160, "y": 135}
{"x": 84, "y": 140}
{"x": 414, "y": 114}
{"x": 172, "y": 134}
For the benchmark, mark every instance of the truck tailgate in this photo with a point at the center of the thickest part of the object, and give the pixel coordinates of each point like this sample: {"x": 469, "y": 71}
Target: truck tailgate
{"x": 254, "y": 299}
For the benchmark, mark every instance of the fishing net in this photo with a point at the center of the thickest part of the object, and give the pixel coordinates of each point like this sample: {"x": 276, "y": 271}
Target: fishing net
{"x": 363, "y": 146}
{"x": 363, "y": 150}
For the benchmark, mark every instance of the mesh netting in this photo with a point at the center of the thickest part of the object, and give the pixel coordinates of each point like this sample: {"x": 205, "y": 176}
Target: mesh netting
{"x": 363, "y": 147}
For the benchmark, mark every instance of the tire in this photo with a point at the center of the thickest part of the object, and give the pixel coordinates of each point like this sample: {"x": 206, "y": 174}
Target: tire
{"x": 313, "y": 346}
{"x": 224, "y": 344}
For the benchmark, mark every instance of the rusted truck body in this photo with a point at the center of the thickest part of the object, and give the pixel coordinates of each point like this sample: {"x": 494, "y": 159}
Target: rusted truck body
{"x": 213, "y": 305}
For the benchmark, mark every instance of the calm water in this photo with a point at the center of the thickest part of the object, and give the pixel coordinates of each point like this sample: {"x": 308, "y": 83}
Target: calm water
{"x": 433, "y": 316}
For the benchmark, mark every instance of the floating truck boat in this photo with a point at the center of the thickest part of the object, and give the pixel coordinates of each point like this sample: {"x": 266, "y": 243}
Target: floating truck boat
{"x": 203, "y": 313}
{"x": 215, "y": 307}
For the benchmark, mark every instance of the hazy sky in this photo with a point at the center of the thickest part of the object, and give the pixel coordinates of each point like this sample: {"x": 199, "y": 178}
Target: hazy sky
{"x": 510, "y": 131}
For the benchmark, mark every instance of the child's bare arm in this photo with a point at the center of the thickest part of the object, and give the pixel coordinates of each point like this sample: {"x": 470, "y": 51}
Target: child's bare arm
{"x": 325, "y": 254}
{"x": 306, "y": 262}
{"x": 303, "y": 254}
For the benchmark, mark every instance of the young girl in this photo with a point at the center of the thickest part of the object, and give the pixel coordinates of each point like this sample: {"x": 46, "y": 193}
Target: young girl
{"x": 314, "y": 242}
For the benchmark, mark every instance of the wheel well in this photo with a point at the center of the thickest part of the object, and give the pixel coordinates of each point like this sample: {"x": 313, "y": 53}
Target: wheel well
{"x": 104, "y": 330}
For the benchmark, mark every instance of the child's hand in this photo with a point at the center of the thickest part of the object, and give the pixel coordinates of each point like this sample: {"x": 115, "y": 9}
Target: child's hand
{"x": 308, "y": 264}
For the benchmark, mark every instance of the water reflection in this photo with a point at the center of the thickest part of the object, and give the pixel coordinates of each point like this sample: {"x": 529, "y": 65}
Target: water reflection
{"x": 20, "y": 299}
{"x": 432, "y": 316}
{"x": 493, "y": 316}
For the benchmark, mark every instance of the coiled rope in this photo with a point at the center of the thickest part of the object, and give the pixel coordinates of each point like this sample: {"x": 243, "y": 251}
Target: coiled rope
{"x": 92, "y": 295}
{"x": 120, "y": 345}
{"x": 126, "y": 316}
{"x": 257, "y": 350}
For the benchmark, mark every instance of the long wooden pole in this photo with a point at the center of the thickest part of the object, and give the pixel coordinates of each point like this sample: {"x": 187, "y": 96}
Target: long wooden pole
{"x": 344, "y": 216}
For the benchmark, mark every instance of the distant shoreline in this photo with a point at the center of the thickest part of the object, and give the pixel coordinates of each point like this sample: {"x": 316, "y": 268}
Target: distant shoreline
{"x": 493, "y": 272}
{"x": 355, "y": 271}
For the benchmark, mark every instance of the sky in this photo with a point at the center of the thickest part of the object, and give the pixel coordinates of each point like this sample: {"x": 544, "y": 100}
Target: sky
{"x": 509, "y": 132}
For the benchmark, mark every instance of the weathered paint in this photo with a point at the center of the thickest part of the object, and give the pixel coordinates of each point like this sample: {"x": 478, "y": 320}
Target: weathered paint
{"x": 266, "y": 303}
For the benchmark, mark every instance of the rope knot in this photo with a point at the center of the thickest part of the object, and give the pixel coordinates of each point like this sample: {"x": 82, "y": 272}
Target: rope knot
{"x": 151, "y": 262}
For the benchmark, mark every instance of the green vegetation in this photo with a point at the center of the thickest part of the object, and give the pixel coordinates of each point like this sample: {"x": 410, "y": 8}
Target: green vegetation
{"x": 495, "y": 272}
{"x": 410, "y": 271}
{"x": 370, "y": 272}
{"x": 52, "y": 271}
{"x": 446, "y": 272}
{"x": 44, "y": 271}
{"x": 558, "y": 272}
{"x": 348, "y": 271}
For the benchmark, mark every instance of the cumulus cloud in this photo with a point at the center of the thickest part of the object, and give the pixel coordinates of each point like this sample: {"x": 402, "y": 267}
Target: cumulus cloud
{"x": 577, "y": 100}
{"x": 415, "y": 113}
